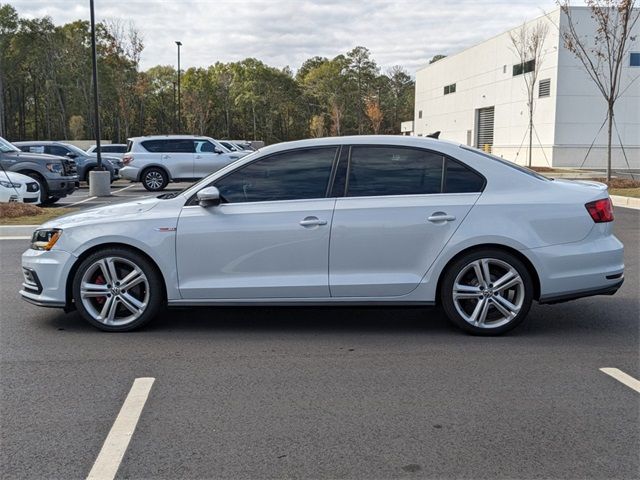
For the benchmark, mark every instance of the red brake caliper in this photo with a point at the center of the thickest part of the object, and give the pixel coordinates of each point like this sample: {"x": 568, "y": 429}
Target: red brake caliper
{"x": 100, "y": 281}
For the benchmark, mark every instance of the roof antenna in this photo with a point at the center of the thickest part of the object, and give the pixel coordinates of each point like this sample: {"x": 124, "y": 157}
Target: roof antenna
{"x": 434, "y": 135}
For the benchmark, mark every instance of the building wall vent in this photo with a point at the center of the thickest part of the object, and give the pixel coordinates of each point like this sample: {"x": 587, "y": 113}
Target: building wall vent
{"x": 544, "y": 88}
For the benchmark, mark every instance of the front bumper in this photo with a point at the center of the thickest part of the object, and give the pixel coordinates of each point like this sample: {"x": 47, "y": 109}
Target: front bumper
{"x": 62, "y": 186}
{"x": 45, "y": 274}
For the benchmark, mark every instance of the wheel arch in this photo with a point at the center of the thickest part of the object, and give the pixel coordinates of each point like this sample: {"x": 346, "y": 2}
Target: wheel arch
{"x": 535, "y": 277}
{"x": 155, "y": 165}
{"x": 102, "y": 246}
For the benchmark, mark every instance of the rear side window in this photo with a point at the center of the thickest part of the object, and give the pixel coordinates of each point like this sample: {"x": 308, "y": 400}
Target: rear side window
{"x": 296, "y": 175}
{"x": 377, "y": 171}
{"x": 113, "y": 148}
{"x": 460, "y": 179}
{"x": 169, "y": 146}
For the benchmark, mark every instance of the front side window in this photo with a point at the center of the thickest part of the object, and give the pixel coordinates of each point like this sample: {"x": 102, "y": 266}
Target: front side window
{"x": 56, "y": 150}
{"x": 377, "y": 171}
{"x": 204, "y": 146}
{"x": 296, "y": 175}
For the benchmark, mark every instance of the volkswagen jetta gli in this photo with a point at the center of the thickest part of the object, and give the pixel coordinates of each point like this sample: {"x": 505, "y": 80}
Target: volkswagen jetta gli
{"x": 352, "y": 220}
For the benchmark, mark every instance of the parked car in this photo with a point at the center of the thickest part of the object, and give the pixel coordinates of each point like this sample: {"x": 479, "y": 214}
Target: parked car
{"x": 157, "y": 160}
{"x": 56, "y": 176}
{"x": 111, "y": 149}
{"x": 15, "y": 187}
{"x": 232, "y": 147}
{"x": 85, "y": 162}
{"x": 374, "y": 220}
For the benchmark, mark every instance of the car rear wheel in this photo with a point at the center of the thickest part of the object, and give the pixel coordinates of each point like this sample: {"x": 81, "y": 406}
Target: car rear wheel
{"x": 155, "y": 179}
{"x": 117, "y": 290}
{"x": 487, "y": 292}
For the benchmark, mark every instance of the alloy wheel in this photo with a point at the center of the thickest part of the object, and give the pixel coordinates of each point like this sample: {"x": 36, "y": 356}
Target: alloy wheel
{"x": 114, "y": 291}
{"x": 488, "y": 293}
{"x": 153, "y": 180}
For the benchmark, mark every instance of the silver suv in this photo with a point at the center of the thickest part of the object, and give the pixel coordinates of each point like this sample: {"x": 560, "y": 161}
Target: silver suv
{"x": 157, "y": 160}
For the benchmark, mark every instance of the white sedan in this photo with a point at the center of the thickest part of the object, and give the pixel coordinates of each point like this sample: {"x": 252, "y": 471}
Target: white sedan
{"x": 15, "y": 187}
{"x": 367, "y": 220}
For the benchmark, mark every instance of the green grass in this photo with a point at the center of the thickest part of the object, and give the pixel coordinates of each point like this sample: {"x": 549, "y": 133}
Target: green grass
{"x": 625, "y": 192}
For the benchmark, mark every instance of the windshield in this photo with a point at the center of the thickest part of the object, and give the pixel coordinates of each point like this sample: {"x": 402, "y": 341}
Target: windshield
{"x": 6, "y": 147}
{"x": 513, "y": 165}
{"x": 75, "y": 149}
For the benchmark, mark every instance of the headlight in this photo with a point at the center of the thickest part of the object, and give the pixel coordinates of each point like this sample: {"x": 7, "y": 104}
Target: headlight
{"x": 55, "y": 168}
{"x": 10, "y": 184}
{"x": 45, "y": 239}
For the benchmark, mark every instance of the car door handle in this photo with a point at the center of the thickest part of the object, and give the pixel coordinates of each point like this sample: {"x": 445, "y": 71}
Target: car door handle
{"x": 198, "y": 156}
{"x": 441, "y": 217}
{"x": 312, "y": 222}
{"x": 164, "y": 157}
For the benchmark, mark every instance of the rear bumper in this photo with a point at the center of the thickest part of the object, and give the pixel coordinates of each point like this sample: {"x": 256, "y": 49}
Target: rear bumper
{"x": 130, "y": 173}
{"x": 566, "y": 297}
{"x": 593, "y": 266}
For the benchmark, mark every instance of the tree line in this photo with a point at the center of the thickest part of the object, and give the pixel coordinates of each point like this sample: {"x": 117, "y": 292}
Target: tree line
{"x": 45, "y": 78}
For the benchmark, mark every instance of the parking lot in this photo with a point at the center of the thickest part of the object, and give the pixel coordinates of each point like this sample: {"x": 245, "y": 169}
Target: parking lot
{"x": 323, "y": 392}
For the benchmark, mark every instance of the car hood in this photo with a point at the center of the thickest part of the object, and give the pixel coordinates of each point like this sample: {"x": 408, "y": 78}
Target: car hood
{"x": 15, "y": 177}
{"x": 30, "y": 156}
{"x": 118, "y": 211}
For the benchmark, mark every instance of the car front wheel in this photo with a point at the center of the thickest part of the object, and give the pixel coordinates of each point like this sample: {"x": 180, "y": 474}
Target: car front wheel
{"x": 117, "y": 290}
{"x": 154, "y": 179}
{"x": 487, "y": 292}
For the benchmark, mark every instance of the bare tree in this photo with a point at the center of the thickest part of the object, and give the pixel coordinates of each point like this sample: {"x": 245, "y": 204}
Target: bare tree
{"x": 603, "y": 54}
{"x": 528, "y": 44}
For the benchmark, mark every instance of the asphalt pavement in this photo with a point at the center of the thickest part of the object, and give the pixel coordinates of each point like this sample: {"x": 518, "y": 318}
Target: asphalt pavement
{"x": 354, "y": 393}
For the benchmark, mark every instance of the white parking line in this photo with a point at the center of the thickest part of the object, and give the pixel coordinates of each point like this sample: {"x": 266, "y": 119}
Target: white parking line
{"x": 115, "y": 445}
{"x": 622, "y": 377}
{"x": 15, "y": 237}
{"x": 78, "y": 203}
{"x": 125, "y": 188}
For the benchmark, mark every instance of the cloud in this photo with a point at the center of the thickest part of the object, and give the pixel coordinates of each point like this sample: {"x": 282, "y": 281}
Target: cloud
{"x": 287, "y": 32}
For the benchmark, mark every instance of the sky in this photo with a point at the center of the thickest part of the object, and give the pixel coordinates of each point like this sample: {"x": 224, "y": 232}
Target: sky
{"x": 287, "y": 32}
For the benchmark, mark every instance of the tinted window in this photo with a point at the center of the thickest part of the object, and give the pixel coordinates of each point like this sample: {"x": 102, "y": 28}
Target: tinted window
{"x": 394, "y": 171}
{"x": 204, "y": 146}
{"x": 56, "y": 150}
{"x": 460, "y": 179}
{"x": 113, "y": 148}
{"x": 285, "y": 176}
{"x": 169, "y": 146}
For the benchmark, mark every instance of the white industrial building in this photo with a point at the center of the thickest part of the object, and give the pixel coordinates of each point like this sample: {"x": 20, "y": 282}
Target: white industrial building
{"x": 478, "y": 98}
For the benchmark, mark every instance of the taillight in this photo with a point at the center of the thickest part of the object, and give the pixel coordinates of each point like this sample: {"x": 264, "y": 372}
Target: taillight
{"x": 127, "y": 159}
{"x": 601, "y": 210}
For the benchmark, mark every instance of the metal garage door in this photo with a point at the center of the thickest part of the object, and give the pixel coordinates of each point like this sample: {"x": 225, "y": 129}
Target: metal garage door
{"x": 484, "y": 127}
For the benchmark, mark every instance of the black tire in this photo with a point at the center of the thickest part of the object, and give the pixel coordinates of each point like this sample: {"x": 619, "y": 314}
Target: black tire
{"x": 154, "y": 179}
{"x": 150, "y": 294}
{"x": 44, "y": 190}
{"x": 49, "y": 200}
{"x": 499, "y": 301}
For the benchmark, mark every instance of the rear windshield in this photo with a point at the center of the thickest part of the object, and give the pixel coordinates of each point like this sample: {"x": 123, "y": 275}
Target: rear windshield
{"x": 513, "y": 165}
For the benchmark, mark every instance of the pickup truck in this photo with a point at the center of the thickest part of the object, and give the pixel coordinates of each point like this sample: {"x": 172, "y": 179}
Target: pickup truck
{"x": 56, "y": 176}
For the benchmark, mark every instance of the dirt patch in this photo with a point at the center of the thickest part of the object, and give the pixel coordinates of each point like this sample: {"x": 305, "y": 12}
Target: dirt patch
{"x": 620, "y": 182}
{"x": 26, "y": 214}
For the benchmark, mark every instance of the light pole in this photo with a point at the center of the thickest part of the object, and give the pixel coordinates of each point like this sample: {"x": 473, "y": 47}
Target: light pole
{"x": 99, "y": 179}
{"x": 179, "y": 44}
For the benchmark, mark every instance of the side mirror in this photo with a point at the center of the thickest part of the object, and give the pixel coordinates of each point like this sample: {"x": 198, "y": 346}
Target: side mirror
{"x": 208, "y": 197}
{"x": 72, "y": 155}
{"x": 218, "y": 151}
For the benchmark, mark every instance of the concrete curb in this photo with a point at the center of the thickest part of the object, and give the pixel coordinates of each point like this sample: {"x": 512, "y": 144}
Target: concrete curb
{"x": 627, "y": 202}
{"x": 17, "y": 230}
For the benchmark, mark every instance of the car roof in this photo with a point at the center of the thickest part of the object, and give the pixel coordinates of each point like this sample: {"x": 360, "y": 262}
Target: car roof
{"x": 168, "y": 137}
